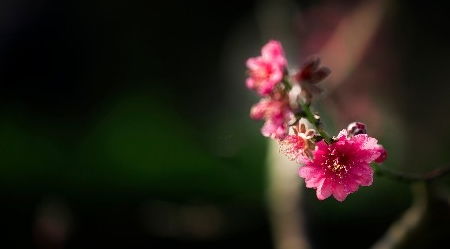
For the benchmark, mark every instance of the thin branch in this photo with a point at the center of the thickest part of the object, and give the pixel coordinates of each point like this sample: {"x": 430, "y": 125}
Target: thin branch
{"x": 310, "y": 117}
{"x": 411, "y": 177}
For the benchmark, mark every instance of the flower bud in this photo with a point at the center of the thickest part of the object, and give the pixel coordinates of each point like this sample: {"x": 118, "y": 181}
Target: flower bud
{"x": 356, "y": 128}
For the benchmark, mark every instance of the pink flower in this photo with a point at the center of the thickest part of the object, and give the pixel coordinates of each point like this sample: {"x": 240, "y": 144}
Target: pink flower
{"x": 273, "y": 51}
{"x": 276, "y": 113}
{"x": 274, "y": 128}
{"x": 267, "y": 70}
{"x": 299, "y": 147}
{"x": 339, "y": 168}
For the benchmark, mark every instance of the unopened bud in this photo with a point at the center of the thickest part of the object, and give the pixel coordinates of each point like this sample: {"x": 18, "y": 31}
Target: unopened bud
{"x": 356, "y": 128}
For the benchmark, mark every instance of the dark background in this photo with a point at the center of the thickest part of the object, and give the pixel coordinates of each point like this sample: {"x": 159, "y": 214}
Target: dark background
{"x": 124, "y": 124}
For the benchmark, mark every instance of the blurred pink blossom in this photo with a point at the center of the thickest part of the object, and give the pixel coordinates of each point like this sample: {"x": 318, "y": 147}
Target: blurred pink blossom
{"x": 276, "y": 113}
{"x": 267, "y": 70}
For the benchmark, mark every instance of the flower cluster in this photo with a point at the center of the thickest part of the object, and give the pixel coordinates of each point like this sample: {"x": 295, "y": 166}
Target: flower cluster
{"x": 266, "y": 72}
{"x": 334, "y": 166}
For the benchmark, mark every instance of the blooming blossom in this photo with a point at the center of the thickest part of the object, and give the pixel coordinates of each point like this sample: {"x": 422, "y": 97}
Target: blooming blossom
{"x": 299, "y": 147}
{"x": 273, "y": 51}
{"x": 267, "y": 70}
{"x": 277, "y": 115}
{"x": 339, "y": 168}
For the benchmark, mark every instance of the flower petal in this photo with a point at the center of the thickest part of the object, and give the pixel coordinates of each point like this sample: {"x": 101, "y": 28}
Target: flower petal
{"x": 324, "y": 190}
{"x": 339, "y": 192}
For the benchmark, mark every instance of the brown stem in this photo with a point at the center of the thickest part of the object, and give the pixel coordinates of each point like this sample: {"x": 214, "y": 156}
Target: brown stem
{"x": 410, "y": 177}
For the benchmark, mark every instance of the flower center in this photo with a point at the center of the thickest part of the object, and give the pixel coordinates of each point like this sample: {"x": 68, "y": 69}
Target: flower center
{"x": 336, "y": 164}
{"x": 261, "y": 74}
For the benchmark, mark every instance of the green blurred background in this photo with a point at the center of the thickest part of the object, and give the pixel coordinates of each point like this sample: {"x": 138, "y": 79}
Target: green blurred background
{"x": 124, "y": 124}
